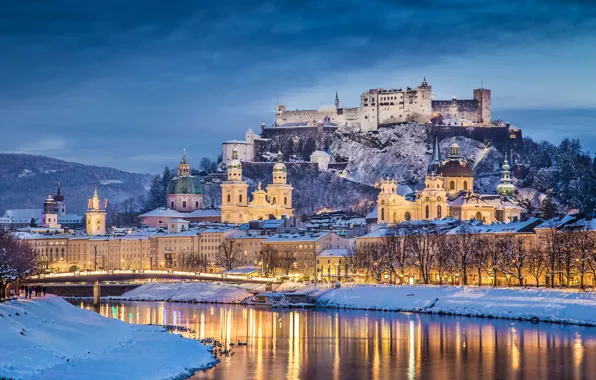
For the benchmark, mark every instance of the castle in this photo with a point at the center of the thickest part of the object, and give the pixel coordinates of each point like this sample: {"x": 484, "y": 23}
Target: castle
{"x": 380, "y": 107}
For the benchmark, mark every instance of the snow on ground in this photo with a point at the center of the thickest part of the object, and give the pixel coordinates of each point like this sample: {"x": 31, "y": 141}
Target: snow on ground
{"x": 529, "y": 304}
{"x": 47, "y": 338}
{"x": 204, "y": 292}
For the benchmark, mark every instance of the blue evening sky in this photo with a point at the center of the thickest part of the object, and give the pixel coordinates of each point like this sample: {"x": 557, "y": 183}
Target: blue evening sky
{"x": 130, "y": 83}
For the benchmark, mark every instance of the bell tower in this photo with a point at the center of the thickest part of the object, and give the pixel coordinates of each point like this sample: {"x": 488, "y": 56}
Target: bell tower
{"x": 279, "y": 192}
{"x": 95, "y": 216}
{"x": 234, "y": 193}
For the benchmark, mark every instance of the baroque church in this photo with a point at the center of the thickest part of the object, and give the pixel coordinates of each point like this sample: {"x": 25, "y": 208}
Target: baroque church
{"x": 273, "y": 203}
{"x": 449, "y": 192}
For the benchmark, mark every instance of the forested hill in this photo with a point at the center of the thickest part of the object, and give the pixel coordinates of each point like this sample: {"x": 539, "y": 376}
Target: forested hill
{"x": 25, "y": 181}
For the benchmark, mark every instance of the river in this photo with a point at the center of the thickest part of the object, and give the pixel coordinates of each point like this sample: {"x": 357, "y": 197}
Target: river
{"x": 352, "y": 344}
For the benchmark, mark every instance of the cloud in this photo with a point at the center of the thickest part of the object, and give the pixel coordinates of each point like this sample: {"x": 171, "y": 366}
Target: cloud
{"x": 150, "y": 76}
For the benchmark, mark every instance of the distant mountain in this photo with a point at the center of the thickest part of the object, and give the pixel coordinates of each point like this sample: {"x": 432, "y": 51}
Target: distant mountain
{"x": 25, "y": 181}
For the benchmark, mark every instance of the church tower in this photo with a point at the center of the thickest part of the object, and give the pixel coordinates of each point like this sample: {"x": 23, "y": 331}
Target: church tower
{"x": 506, "y": 188}
{"x": 49, "y": 218}
{"x": 435, "y": 162}
{"x": 234, "y": 193}
{"x": 95, "y": 216}
{"x": 336, "y": 100}
{"x": 280, "y": 192}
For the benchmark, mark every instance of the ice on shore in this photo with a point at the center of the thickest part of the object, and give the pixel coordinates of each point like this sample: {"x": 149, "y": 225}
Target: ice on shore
{"x": 203, "y": 292}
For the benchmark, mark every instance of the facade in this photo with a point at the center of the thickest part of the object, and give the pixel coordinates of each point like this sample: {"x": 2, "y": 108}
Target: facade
{"x": 95, "y": 216}
{"x": 322, "y": 159}
{"x": 390, "y": 106}
{"x": 245, "y": 148}
{"x": 274, "y": 203}
{"x": 448, "y": 192}
{"x": 49, "y": 217}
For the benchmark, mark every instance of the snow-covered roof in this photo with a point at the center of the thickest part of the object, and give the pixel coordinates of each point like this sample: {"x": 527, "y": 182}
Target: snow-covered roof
{"x": 374, "y": 214}
{"x": 242, "y": 270}
{"x": 236, "y": 142}
{"x": 178, "y": 220}
{"x": 333, "y": 252}
{"x": 168, "y": 212}
{"x": 513, "y": 227}
{"x": 319, "y": 153}
{"x": 308, "y": 236}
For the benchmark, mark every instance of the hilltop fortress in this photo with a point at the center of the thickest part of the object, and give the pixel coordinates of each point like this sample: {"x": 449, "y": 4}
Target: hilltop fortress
{"x": 379, "y": 107}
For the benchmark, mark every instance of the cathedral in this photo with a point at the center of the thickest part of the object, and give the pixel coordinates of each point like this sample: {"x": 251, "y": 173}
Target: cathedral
{"x": 449, "y": 192}
{"x": 273, "y": 203}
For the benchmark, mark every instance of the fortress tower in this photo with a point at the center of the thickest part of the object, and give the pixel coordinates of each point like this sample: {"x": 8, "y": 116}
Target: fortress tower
{"x": 482, "y": 95}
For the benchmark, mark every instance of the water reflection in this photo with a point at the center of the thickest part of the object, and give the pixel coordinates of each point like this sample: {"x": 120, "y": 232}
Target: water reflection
{"x": 298, "y": 344}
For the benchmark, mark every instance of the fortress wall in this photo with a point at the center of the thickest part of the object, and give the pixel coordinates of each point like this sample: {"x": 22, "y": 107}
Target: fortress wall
{"x": 463, "y": 109}
{"x": 308, "y": 116}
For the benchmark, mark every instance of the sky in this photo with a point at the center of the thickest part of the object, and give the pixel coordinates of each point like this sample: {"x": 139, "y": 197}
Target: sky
{"x": 129, "y": 84}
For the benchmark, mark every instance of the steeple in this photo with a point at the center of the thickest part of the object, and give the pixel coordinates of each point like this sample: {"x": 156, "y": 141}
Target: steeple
{"x": 435, "y": 161}
{"x": 235, "y": 167}
{"x": 506, "y": 188}
{"x": 336, "y": 100}
{"x": 454, "y": 151}
{"x": 184, "y": 166}
{"x": 279, "y": 170}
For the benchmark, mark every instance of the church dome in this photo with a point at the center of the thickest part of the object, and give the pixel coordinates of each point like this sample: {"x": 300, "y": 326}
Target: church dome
{"x": 185, "y": 185}
{"x": 279, "y": 165}
{"x": 455, "y": 168}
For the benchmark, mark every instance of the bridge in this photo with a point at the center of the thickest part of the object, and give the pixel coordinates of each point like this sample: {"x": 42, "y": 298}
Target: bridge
{"x": 135, "y": 275}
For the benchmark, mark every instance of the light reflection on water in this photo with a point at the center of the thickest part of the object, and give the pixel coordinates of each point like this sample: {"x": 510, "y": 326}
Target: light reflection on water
{"x": 334, "y": 344}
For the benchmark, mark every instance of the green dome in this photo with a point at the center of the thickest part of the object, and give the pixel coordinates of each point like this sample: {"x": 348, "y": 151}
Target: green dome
{"x": 185, "y": 185}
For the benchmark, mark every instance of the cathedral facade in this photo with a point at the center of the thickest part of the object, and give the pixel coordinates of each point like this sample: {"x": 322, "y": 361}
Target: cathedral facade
{"x": 449, "y": 192}
{"x": 273, "y": 203}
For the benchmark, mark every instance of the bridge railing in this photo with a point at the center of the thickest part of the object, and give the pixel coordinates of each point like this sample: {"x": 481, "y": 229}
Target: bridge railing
{"x": 198, "y": 275}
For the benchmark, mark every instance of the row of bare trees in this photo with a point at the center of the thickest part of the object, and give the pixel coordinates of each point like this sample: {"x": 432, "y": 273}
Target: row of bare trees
{"x": 17, "y": 260}
{"x": 559, "y": 258}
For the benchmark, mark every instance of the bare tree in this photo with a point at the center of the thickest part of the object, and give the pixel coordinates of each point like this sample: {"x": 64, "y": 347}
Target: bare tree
{"x": 443, "y": 257}
{"x": 285, "y": 261}
{"x": 536, "y": 263}
{"x": 481, "y": 259}
{"x": 229, "y": 254}
{"x": 465, "y": 247}
{"x": 552, "y": 247}
{"x": 515, "y": 256}
{"x": 584, "y": 247}
{"x": 353, "y": 260}
{"x": 269, "y": 260}
{"x": 394, "y": 255}
{"x": 373, "y": 263}
{"x": 17, "y": 260}
{"x": 494, "y": 246}
{"x": 191, "y": 262}
{"x": 421, "y": 245}
{"x": 566, "y": 258}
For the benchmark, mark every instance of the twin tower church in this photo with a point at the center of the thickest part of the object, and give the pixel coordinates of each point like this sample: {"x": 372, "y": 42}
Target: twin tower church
{"x": 448, "y": 192}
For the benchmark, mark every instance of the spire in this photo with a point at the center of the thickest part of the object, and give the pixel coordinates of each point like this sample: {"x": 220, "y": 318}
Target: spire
{"x": 95, "y": 192}
{"x": 436, "y": 158}
{"x": 280, "y": 157}
{"x": 234, "y": 153}
{"x": 183, "y": 167}
{"x": 336, "y": 100}
{"x": 506, "y": 188}
{"x": 184, "y": 161}
{"x": 58, "y": 190}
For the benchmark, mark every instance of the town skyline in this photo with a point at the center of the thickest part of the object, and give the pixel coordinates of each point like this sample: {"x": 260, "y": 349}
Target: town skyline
{"x": 183, "y": 76}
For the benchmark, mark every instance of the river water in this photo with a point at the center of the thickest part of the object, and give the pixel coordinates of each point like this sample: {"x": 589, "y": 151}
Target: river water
{"x": 348, "y": 344}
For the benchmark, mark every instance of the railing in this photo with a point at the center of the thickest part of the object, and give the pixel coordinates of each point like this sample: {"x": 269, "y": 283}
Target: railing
{"x": 215, "y": 276}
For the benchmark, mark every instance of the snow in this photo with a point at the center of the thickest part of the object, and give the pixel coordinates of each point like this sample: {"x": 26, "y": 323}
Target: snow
{"x": 110, "y": 181}
{"x": 562, "y": 306}
{"x": 200, "y": 292}
{"x": 47, "y": 338}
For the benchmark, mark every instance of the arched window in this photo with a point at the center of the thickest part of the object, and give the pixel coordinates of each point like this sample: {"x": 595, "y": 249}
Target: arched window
{"x": 197, "y": 204}
{"x": 439, "y": 212}
{"x": 285, "y": 201}
{"x": 478, "y": 216}
{"x": 228, "y": 197}
{"x": 273, "y": 201}
{"x": 465, "y": 185}
{"x": 408, "y": 216}
{"x": 172, "y": 204}
{"x": 240, "y": 198}
{"x": 183, "y": 204}
{"x": 452, "y": 185}
{"x": 382, "y": 214}
{"x": 427, "y": 211}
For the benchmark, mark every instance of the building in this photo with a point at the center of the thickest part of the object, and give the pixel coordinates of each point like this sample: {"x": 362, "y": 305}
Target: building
{"x": 95, "y": 216}
{"x": 274, "y": 203}
{"x": 302, "y": 248}
{"x": 322, "y": 159}
{"x": 49, "y": 216}
{"x": 15, "y": 219}
{"x": 448, "y": 192}
{"x": 390, "y": 106}
{"x": 245, "y": 148}
{"x": 185, "y": 191}
{"x": 184, "y": 200}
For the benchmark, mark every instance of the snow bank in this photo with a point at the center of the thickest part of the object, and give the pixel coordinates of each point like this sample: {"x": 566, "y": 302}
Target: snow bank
{"x": 47, "y": 338}
{"x": 528, "y": 304}
{"x": 204, "y": 292}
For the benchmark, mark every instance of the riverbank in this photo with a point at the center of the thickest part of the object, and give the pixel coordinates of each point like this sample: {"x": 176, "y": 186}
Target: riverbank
{"x": 199, "y": 292}
{"x": 546, "y": 305}
{"x": 47, "y": 338}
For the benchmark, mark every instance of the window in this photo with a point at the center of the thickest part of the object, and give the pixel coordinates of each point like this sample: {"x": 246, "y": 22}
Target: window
{"x": 408, "y": 216}
{"x": 439, "y": 212}
{"x": 465, "y": 185}
{"x": 478, "y": 216}
{"x": 240, "y": 198}
{"x": 382, "y": 214}
{"x": 285, "y": 201}
{"x": 172, "y": 204}
{"x": 197, "y": 204}
{"x": 452, "y": 185}
{"x": 183, "y": 204}
{"x": 427, "y": 211}
{"x": 228, "y": 197}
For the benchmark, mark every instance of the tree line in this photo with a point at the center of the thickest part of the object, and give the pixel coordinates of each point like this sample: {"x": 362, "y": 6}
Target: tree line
{"x": 17, "y": 260}
{"x": 560, "y": 258}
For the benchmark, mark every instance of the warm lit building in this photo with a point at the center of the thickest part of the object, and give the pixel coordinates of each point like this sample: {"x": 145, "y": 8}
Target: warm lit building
{"x": 275, "y": 203}
{"x": 95, "y": 216}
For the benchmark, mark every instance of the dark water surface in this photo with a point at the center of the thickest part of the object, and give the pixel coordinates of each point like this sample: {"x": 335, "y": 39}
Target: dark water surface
{"x": 338, "y": 344}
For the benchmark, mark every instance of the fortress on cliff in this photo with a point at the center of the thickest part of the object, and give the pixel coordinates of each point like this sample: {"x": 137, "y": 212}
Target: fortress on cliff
{"x": 380, "y": 107}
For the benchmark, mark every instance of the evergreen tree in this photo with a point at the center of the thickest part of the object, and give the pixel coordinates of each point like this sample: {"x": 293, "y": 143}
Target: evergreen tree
{"x": 548, "y": 208}
{"x": 166, "y": 177}
{"x": 154, "y": 199}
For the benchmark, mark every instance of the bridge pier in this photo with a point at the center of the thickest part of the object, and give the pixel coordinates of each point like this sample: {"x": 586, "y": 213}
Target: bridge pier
{"x": 96, "y": 296}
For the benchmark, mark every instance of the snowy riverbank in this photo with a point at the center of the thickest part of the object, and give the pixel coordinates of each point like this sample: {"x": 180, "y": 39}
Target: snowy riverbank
{"x": 547, "y": 305}
{"x": 47, "y": 338}
{"x": 203, "y": 292}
